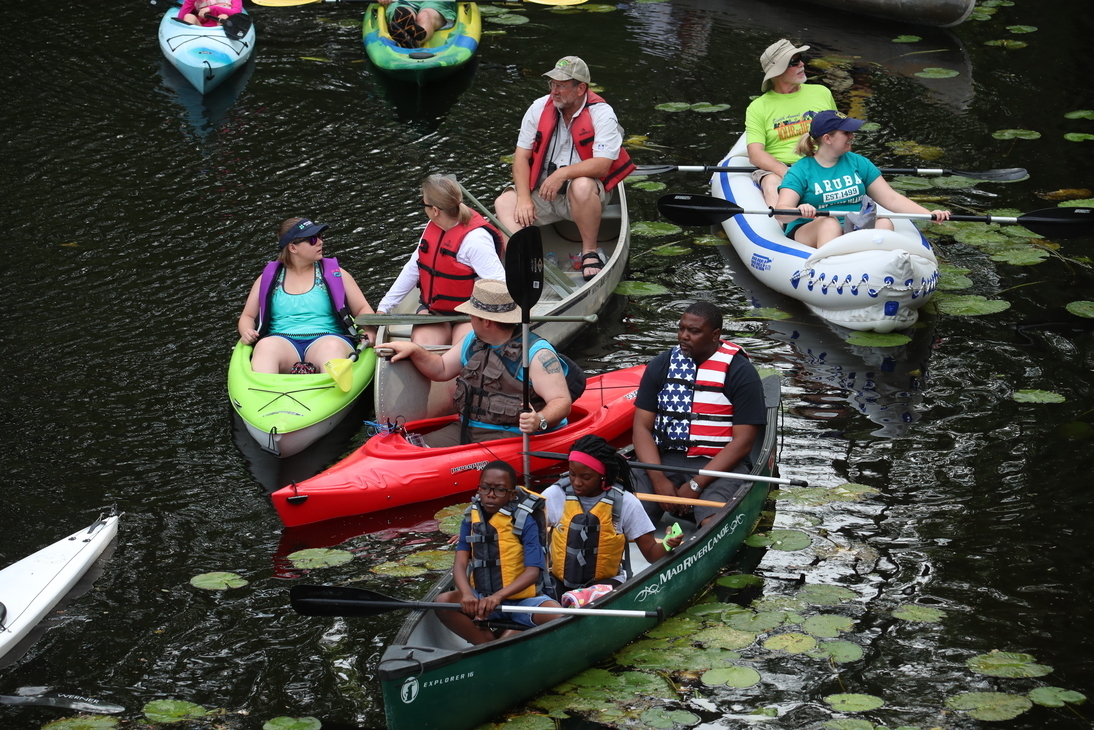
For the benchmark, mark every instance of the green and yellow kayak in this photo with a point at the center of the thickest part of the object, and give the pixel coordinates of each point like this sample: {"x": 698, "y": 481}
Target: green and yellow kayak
{"x": 444, "y": 53}
{"x": 287, "y": 413}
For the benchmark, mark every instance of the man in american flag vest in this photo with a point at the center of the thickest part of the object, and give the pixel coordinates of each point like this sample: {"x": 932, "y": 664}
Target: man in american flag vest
{"x": 700, "y": 406}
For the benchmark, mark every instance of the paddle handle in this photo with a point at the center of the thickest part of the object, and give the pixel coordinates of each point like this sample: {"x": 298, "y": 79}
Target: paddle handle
{"x": 691, "y": 470}
{"x": 664, "y": 498}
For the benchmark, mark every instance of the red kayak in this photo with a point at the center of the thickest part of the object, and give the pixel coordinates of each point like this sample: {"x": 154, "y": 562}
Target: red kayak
{"x": 388, "y": 472}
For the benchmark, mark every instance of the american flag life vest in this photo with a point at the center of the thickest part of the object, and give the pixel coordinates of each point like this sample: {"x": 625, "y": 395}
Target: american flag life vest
{"x": 693, "y": 413}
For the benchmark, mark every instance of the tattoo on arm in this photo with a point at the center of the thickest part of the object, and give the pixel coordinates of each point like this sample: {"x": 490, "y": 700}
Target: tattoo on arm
{"x": 550, "y": 362}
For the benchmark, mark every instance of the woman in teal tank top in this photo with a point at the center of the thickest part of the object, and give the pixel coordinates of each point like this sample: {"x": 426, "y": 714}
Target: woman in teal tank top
{"x": 301, "y": 330}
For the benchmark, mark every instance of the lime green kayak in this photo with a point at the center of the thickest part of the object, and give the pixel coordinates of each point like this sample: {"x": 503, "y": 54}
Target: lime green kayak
{"x": 444, "y": 53}
{"x": 287, "y": 413}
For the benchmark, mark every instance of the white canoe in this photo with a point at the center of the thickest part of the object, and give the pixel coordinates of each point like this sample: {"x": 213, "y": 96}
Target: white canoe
{"x": 205, "y": 56}
{"x": 403, "y": 393}
{"x": 31, "y": 587}
{"x": 865, "y": 280}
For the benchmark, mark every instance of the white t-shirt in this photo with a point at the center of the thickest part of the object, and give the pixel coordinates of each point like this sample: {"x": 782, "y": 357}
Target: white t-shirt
{"x": 476, "y": 251}
{"x": 633, "y": 520}
{"x": 608, "y": 135}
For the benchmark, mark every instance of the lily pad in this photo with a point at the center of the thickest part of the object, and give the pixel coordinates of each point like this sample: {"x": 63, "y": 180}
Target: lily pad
{"x": 1020, "y": 255}
{"x": 970, "y": 305}
{"x": 908, "y": 147}
{"x": 654, "y": 228}
{"x": 660, "y": 718}
{"x": 990, "y": 706}
{"x": 1032, "y": 395}
{"x": 1007, "y": 664}
{"x": 791, "y": 642}
{"x": 485, "y": 10}
{"x": 953, "y": 182}
{"x": 1078, "y": 137}
{"x": 639, "y": 289}
{"x": 756, "y": 623}
{"x": 849, "y": 723}
{"x": 1056, "y": 696}
{"x": 922, "y": 614}
{"x": 911, "y": 182}
{"x": 724, "y": 637}
{"x": 650, "y": 186}
{"x": 743, "y": 580}
{"x": 768, "y": 313}
{"x": 432, "y": 559}
{"x": 1006, "y": 43}
{"x": 854, "y": 702}
{"x": 530, "y": 721}
{"x": 708, "y": 240}
{"x": 878, "y": 339}
{"x": 319, "y": 558}
{"x": 293, "y": 723}
{"x": 598, "y": 8}
{"x": 167, "y": 711}
{"x": 84, "y": 722}
{"x": 1081, "y": 308}
{"x": 507, "y": 19}
{"x": 675, "y": 627}
{"x": 827, "y": 626}
{"x": 826, "y": 595}
{"x": 218, "y": 581}
{"x": 739, "y": 677}
{"x": 933, "y": 72}
{"x": 952, "y": 281}
{"x": 450, "y": 519}
{"x": 839, "y": 651}
{"x": 1016, "y": 134}
{"x": 704, "y": 107}
{"x": 779, "y": 603}
{"x": 398, "y": 570}
{"x": 1080, "y": 114}
{"x": 673, "y": 106}
{"x": 786, "y": 540}
{"x": 1022, "y": 28}
{"x": 1087, "y": 203}
{"x": 670, "y": 250}
{"x": 907, "y": 39}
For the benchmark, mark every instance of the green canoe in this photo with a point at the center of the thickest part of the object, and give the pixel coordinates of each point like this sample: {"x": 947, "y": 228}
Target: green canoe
{"x": 444, "y": 53}
{"x": 433, "y": 680}
{"x": 287, "y": 413}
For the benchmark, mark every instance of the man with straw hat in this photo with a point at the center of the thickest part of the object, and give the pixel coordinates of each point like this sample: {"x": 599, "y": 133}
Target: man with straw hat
{"x": 776, "y": 120}
{"x": 487, "y": 366}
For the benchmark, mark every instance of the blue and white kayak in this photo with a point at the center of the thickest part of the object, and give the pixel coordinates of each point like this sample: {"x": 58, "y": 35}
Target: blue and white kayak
{"x": 869, "y": 279}
{"x": 31, "y": 587}
{"x": 205, "y": 56}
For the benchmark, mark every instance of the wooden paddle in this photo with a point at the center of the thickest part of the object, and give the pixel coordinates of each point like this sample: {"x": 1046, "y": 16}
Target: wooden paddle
{"x": 688, "y": 470}
{"x": 524, "y": 280}
{"x": 312, "y": 600}
{"x": 65, "y": 700}
{"x": 1005, "y": 174}
{"x": 704, "y": 210}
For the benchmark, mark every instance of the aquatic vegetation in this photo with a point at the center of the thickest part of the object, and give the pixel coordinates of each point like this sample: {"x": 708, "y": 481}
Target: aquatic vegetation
{"x": 319, "y": 558}
{"x": 450, "y": 518}
{"x": 768, "y": 313}
{"x": 990, "y": 706}
{"x": 649, "y": 186}
{"x": 970, "y": 305}
{"x": 854, "y": 702}
{"x": 937, "y": 73}
{"x": 654, "y": 228}
{"x": 1056, "y": 697}
{"x": 1007, "y": 664}
{"x": 639, "y": 289}
{"x": 1037, "y": 396}
{"x": 218, "y": 581}
{"x": 86, "y": 722}
{"x": 1081, "y": 309}
{"x": 702, "y": 107}
{"x": 923, "y": 614}
{"x": 167, "y": 711}
{"x": 788, "y": 540}
{"x": 292, "y": 723}
{"x": 1007, "y": 43}
{"x": 1016, "y": 134}
{"x": 907, "y": 39}
{"x": 877, "y": 339}
{"x": 507, "y": 19}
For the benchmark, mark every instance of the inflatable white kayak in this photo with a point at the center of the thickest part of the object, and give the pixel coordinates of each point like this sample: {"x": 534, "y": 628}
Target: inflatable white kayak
{"x": 31, "y": 587}
{"x": 866, "y": 280}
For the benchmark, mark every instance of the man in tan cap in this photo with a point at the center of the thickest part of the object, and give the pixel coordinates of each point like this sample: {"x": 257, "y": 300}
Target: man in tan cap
{"x": 775, "y": 121}
{"x": 489, "y": 372}
{"x": 569, "y": 156}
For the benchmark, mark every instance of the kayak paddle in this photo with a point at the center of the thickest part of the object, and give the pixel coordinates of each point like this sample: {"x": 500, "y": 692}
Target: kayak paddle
{"x": 704, "y": 210}
{"x": 345, "y": 601}
{"x": 524, "y": 280}
{"x": 390, "y": 319}
{"x": 65, "y": 700}
{"x": 341, "y": 369}
{"x": 688, "y": 470}
{"x": 1005, "y": 174}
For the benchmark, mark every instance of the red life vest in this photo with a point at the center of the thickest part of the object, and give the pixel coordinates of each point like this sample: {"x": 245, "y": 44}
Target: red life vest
{"x": 444, "y": 281}
{"x": 581, "y": 129}
{"x": 693, "y": 412}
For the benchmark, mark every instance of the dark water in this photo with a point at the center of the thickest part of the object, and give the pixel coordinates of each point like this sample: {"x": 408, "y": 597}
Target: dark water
{"x": 136, "y": 218}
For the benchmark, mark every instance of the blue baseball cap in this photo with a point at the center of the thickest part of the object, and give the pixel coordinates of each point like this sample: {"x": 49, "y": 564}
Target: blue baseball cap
{"x": 304, "y": 229}
{"x": 829, "y": 121}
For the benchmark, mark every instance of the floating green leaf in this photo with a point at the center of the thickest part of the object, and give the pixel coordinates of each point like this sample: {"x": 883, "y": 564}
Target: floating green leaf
{"x": 779, "y": 603}
{"x": 1020, "y": 255}
{"x": 1078, "y": 137}
{"x": 650, "y": 186}
{"x": 990, "y": 706}
{"x": 319, "y": 558}
{"x": 450, "y": 518}
{"x": 1007, "y": 664}
{"x": 1081, "y": 308}
{"x": 486, "y": 10}
{"x": 907, "y": 39}
{"x": 923, "y": 614}
{"x": 432, "y": 559}
{"x": 1056, "y": 696}
{"x": 826, "y": 595}
{"x": 1087, "y": 203}
{"x": 724, "y": 637}
{"x": 1007, "y": 43}
{"x": 970, "y": 305}
{"x": 1016, "y": 134}
{"x": 398, "y": 570}
{"x": 1080, "y": 114}
{"x": 1032, "y": 395}
{"x": 675, "y": 627}
{"x": 878, "y": 339}
{"x": 660, "y": 718}
{"x": 670, "y": 250}
{"x": 787, "y": 540}
{"x": 816, "y": 496}
{"x": 173, "y": 711}
{"x": 507, "y": 19}
{"x": 910, "y": 182}
{"x": 293, "y": 723}
{"x": 756, "y": 623}
{"x": 654, "y": 228}
{"x": 951, "y": 281}
{"x": 708, "y": 240}
{"x": 768, "y": 313}
{"x": 827, "y": 626}
{"x": 937, "y": 73}
{"x": 739, "y": 677}
{"x": 704, "y": 107}
{"x": 1022, "y": 28}
{"x": 849, "y": 723}
{"x": 84, "y": 722}
{"x": 839, "y": 651}
{"x": 953, "y": 182}
{"x": 217, "y": 581}
{"x": 530, "y": 721}
{"x": 743, "y": 580}
{"x": 854, "y": 702}
{"x": 673, "y": 106}
{"x": 598, "y": 8}
{"x": 639, "y": 289}
{"x": 791, "y": 643}
{"x": 908, "y": 147}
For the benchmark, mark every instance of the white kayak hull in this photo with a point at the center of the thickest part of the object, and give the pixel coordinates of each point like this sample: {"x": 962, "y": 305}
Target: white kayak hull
{"x": 865, "y": 280}
{"x": 31, "y": 587}
{"x": 205, "y": 56}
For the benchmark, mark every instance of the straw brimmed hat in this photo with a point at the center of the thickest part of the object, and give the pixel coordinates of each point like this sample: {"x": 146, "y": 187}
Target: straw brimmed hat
{"x": 776, "y": 59}
{"x": 490, "y": 300}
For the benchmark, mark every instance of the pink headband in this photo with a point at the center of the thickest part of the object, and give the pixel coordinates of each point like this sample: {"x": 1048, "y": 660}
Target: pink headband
{"x": 590, "y": 461}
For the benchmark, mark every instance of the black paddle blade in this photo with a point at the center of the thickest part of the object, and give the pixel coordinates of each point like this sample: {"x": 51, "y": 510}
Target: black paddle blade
{"x": 524, "y": 269}
{"x": 642, "y": 170}
{"x": 237, "y": 26}
{"x": 1004, "y": 174}
{"x": 696, "y": 210}
{"x": 341, "y": 601}
{"x": 1059, "y": 222}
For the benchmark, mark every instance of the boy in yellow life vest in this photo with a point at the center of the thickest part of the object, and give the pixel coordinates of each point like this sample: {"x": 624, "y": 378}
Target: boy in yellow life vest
{"x": 591, "y": 516}
{"x": 499, "y": 559}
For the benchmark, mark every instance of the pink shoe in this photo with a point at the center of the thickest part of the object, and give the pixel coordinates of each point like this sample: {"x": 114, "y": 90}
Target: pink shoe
{"x": 584, "y": 596}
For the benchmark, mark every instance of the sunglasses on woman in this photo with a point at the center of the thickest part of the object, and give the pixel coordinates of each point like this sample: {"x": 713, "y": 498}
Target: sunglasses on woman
{"x": 314, "y": 240}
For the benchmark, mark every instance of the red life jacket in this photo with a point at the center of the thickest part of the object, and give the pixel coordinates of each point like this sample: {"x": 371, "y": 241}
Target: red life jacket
{"x": 444, "y": 281}
{"x": 581, "y": 129}
{"x": 693, "y": 412}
